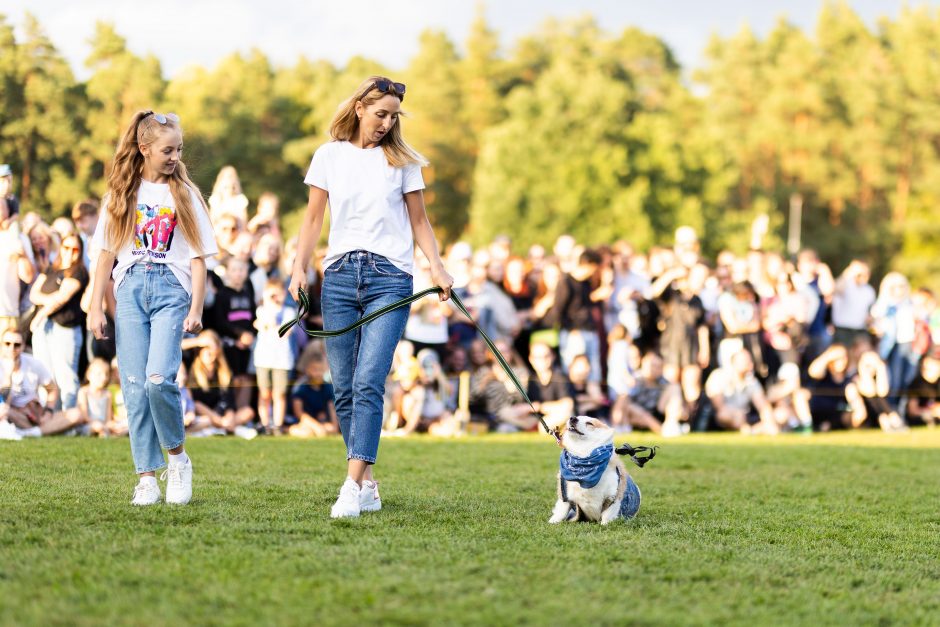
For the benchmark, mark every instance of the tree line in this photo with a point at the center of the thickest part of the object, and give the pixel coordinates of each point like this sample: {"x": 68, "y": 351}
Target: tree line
{"x": 573, "y": 129}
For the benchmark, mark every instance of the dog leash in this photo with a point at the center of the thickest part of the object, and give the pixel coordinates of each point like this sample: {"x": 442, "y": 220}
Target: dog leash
{"x": 304, "y": 307}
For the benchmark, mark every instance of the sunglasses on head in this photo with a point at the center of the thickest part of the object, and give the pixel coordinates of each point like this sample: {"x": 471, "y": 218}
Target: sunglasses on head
{"x": 163, "y": 118}
{"x": 389, "y": 87}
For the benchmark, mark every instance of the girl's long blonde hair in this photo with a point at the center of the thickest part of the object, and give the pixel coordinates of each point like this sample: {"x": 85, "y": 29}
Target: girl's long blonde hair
{"x": 345, "y": 125}
{"x": 223, "y": 372}
{"x": 124, "y": 181}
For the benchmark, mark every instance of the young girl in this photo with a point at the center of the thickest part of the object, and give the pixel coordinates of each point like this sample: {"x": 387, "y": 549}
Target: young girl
{"x": 273, "y": 356}
{"x": 372, "y": 179}
{"x": 153, "y": 237}
{"x": 95, "y": 402}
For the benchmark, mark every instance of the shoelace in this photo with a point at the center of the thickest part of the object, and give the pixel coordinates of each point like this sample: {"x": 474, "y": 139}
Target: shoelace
{"x": 175, "y": 477}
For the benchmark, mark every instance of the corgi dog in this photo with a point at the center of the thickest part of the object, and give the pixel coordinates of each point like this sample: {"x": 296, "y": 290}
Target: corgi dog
{"x": 593, "y": 484}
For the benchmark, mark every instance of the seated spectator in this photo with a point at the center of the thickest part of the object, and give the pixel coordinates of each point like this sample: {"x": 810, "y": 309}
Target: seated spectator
{"x": 212, "y": 389}
{"x": 790, "y": 400}
{"x": 829, "y": 404}
{"x": 96, "y": 403}
{"x": 312, "y": 402}
{"x": 187, "y": 404}
{"x": 868, "y": 395}
{"x": 493, "y": 392}
{"x": 923, "y": 396}
{"x": 59, "y": 320}
{"x": 549, "y": 389}
{"x": 654, "y": 403}
{"x": 421, "y": 398}
{"x": 118, "y": 410}
{"x": 738, "y": 397}
{"x": 21, "y": 377}
{"x": 273, "y": 357}
{"x": 589, "y": 398}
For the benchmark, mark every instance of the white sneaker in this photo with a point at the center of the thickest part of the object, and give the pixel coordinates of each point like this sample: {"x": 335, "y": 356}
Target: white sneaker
{"x": 246, "y": 433}
{"x": 369, "y": 499}
{"x": 347, "y": 505}
{"x": 672, "y": 430}
{"x": 146, "y": 494}
{"x": 8, "y": 431}
{"x": 179, "y": 482}
{"x": 32, "y": 432}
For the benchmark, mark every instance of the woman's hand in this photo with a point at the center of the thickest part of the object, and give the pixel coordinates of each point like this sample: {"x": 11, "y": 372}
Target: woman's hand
{"x": 97, "y": 323}
{"x": 193, "y": 322}
{"x": 298, "y": 281}
{"x": 441, "y": 279}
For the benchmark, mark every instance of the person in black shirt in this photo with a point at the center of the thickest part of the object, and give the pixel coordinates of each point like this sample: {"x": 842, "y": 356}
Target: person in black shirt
{"x": 59, "y": 320}
{"x": 232, "y": 316}
{"x": 549, "y": 390}
{"x": 574, "y": 311}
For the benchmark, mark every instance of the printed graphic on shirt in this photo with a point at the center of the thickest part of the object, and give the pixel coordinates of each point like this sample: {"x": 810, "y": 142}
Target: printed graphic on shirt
{"x": 154, "y": 232}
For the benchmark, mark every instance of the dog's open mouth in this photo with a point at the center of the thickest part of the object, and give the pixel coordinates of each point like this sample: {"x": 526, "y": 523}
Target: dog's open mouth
{"x": 574, "y": 429}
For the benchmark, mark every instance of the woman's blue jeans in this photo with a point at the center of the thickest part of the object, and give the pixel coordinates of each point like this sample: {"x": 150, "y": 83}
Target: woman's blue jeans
{"x": 59, "y": 348}
{"x": 355, "y": 285}
{"x": 151, "y": 307}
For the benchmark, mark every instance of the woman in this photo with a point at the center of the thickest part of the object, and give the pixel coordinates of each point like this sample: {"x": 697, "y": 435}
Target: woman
{"x": 895, "y": 326}
{"x": 57, "y": 325}
{"x": 212, "y": 391}
{"x": 372, "y": 179}
{"x": 156, "y": 227}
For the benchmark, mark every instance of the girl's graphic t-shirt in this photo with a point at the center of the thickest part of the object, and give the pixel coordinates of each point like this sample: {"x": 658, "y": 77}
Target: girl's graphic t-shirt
{"x": 367, "y": 203}
{"x": 156, "y": 239}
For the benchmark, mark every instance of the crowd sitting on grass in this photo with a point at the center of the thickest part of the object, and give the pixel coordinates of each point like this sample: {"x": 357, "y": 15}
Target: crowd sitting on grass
{"x": 662, "y": 340}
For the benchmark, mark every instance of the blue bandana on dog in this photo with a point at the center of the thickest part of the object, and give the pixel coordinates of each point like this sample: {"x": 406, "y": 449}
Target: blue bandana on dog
{"x": 586, "y": 471}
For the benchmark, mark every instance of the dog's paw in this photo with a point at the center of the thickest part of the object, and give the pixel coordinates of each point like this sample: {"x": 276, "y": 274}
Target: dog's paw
{"x": 555, "y": 519}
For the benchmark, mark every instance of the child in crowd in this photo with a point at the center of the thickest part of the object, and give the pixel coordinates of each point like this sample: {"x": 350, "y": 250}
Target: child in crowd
{"x": 96, "y": 402}
{"x": 312, "y": 402}
{"x": 186, "y": 400}
{"x": 232, "y": 315}
{"x": 212, "y": 391}
{"x": 273, "y": 356}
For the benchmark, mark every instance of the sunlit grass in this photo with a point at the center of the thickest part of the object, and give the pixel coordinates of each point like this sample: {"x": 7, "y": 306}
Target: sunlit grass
{"x": 829, "y": 529}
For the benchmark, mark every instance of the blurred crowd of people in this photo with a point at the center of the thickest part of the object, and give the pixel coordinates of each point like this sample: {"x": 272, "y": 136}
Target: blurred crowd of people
{"x": 662, "y": 340}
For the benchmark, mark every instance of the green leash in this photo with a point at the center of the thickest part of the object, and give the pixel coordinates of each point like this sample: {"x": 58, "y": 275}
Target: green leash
{"x": 626, "y": 449}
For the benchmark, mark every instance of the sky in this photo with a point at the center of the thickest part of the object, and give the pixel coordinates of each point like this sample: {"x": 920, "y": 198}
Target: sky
{"x": 201, "y": 32}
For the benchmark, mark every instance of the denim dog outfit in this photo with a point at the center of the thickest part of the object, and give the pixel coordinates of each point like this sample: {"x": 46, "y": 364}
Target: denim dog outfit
{"x": 587, "y": 471}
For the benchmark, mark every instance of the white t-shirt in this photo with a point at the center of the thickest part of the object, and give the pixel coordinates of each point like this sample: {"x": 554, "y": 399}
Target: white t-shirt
{"x": 271, "y": 350}
{"x": 851, "y": 303}
{"x": 25, "y": 381}
{"x": 10, "y": 296}
{"x": 367, "y": 204}
{"x": 155, "y": 237}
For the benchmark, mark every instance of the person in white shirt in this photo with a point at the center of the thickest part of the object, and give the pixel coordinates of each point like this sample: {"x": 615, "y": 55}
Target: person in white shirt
{"x": 851, "y": 303}
{"x": 152, "y": 238}
{"x": 372, "y": 179}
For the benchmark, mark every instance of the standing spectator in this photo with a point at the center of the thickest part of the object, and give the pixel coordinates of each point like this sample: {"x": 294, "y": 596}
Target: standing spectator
{"x": 684, "y": 342}
{"x": 427, "y": 323}
{"x": 851, "y": 303}
{"x": 227, "y": 198}
{"x": 17, "y": 266}
{"x": 741, "y": 325}
{"x": 273, "y": 357}
{"x": 520, "y": 289}
{"x": 232, "y": 316}
{"x": 267, "y": 262}
{"x": 7, "y": 196}
{"x": 85, "y": 217}
{"x": 894, "y": 323}
{"x": 544, "y": 324}
{"x": 574, "y": 309}
{"x": 817, "y": 283}
{"x": 738, "y": 397}
{"x": 784, "y": 322}
{"x": 58, "y": 323}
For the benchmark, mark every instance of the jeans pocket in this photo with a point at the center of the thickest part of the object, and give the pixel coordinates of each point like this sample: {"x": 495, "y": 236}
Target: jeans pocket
{"x": 170, "y": 279}
{"x": 385, "y": 267}
{"x": 337, "y": 265}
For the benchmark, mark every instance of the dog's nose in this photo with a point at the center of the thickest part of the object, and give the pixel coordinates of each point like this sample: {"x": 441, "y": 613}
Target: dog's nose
{"x": 573, "y": 421}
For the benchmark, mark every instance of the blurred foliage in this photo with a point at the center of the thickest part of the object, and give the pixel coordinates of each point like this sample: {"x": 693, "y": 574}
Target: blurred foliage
{"x": 572, "y": 130}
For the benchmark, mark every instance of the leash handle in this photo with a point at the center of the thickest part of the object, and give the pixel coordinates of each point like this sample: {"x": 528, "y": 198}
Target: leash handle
{"x": 633, "y": 453}
{"x": 305, "y": 307}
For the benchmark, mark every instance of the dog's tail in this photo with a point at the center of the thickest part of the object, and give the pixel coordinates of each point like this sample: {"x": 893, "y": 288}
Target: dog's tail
{"x": 633, "y": 452}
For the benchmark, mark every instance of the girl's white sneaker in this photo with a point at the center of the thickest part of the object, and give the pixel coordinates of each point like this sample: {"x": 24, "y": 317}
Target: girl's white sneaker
{"x": 369, "y": 499}
{"x": 146, "y": 494}
{"x": 347, "y": 505}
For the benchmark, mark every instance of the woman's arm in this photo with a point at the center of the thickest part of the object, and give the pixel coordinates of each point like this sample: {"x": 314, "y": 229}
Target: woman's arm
{"x": 310, "y": 229}
{"x": 424, "y": 236}
{"x": 99, "y": 281}
{"x": 36, "y": 296}
{"x": 55, "y": 301}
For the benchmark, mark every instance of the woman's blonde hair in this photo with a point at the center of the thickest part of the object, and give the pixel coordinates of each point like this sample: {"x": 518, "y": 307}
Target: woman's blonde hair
{"x": 345, "y": 125}
{"x": 223, "y": 372}
{"x": 124, "y": 181}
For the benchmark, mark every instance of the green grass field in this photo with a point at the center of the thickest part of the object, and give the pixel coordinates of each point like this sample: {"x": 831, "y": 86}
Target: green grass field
{"x": 834, "y": 529}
